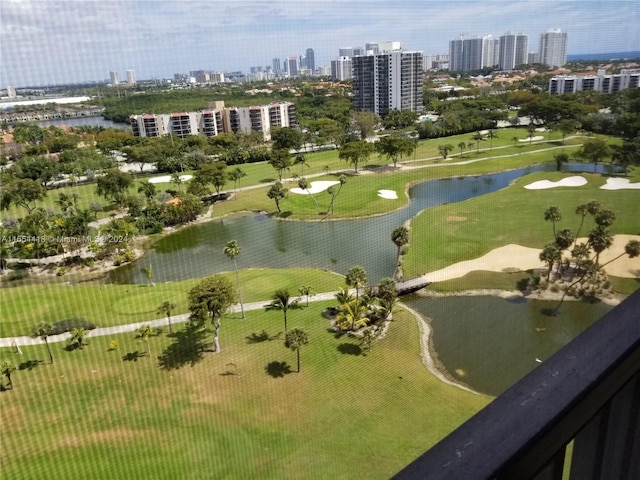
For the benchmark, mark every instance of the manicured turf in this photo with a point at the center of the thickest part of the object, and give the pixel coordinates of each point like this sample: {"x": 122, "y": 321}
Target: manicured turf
{"x": 111, "y": 414}
{"x": 24, "y": 307}
{"x": 447, "y": 234}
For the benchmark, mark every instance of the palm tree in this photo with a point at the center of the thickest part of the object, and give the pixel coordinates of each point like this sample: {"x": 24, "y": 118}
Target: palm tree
{"x": 356, "y": 277}
{"x": 550, "y": 255}
{"x": 599, "y": 240}
{"x": 294, "y": 340}
{"x": 235, "y": 176}
{"x": 143, "y": 333}
{"x": 281, "y": 300}
{"x": 531, "y": 132}
{"x": 478, "y": 137}
{"x": 351, "y": 314}
{"x": 552, "y": 214}
{"x": 305, "y": 290}
{"x": 43, "y": 330}
{"x": 232, "y": 250}
{"x": 303, "y": 185}
{"x": 515, "y": 140}
{"x": 76, "y": 340}
{"x": 368, "y": 336}
{"x": 462, "y": 146}
{"x": 302, "y": 161}
{"x": 148, "y": 272}
{"x": 491, "y": 134}
{"x": 166, "y": 308}
{"x": 6, "y": 369}
{"x": 343, "y": 296}
{"x": 400, "y": 236}
{"x": 332, "y": 191}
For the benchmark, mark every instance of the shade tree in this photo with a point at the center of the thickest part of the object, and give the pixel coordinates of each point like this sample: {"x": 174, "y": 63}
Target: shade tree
{"x": 209, "y": 300}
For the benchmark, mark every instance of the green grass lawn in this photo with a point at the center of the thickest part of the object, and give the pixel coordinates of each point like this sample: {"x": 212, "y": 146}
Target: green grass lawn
{"x": 24, "y": 307}
{"x": 113, "y": 414}
{"x": 450, "y": 233}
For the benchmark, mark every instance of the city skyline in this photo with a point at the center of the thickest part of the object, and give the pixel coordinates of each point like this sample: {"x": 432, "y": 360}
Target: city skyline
{"x": 54, "y": 42}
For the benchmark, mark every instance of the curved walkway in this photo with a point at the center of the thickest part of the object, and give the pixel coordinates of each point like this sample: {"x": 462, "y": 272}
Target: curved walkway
{"x": 132, "y": 327}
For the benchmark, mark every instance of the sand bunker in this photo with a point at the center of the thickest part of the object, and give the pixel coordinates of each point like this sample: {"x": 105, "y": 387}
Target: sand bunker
{"x": 167, "y": 178}
{"x": 619, "y": 184}
{"x": 532, "y": 139}
{"x": 315, "y": 187}
{"x": 388, "y": 194}
{"x": 575, "y": 181}
{"x": 516, "y": 257}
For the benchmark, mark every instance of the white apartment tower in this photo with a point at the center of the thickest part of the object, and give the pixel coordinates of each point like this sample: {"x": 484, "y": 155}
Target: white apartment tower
{"x": 552, "y": 50}
{"x": 131, "y": 77}
{"x": 514, "y": 50}
{"x": 467, "y": 54}
{"x": 341, "y": 69}
{"x": 114, "y": 77}
{"x": 388, "y": 81}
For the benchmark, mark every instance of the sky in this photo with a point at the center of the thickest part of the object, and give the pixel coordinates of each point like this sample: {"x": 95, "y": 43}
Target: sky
{"x": 48, "y": 42}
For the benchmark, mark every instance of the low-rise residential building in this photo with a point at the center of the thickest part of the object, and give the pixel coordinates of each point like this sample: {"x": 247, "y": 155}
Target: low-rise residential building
{"x": 215, "y": 120}
{"x": 602, "y": 82}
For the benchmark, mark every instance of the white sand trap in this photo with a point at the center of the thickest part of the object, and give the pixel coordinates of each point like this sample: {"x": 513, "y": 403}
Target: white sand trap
{"x": 575, "y": 181}
{"x": 533, "y": 139}
{"x": 541, "y": 129}
{"x": 315, "y": 187}
{"x": 619, "y": 184}
{"x": 484, "y": 132}
{"x": 388, "y": 194}
{"x": 525, "y": 258}
{"x": 167, "y": 178}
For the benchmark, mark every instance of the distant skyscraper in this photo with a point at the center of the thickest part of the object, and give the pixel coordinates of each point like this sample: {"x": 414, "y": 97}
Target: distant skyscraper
{"x": 115, "y": 78}
{"x": 371, "y": 48}
{"x": 345, "y": 52}
{"x": 341, "y": 69}
{"x": 292, "y": 66}
{"x": 310, "y": 60}
{"x": 277, "y": 68}
{"x": 514, "y": 50}
{"x": 131, "y": 77}
{"x": 389, "y": 81}
{"x": 468, "y": 54}
{"x": 552, "y": 50}
{"x": 456, "y": 55}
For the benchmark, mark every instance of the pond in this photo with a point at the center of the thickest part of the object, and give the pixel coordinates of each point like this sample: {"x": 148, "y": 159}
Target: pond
{"x": 333, "y": 245}
{"x": 488, "y": 343}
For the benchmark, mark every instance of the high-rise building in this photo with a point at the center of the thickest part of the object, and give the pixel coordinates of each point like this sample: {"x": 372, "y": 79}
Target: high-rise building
{"x": 388, "y": 81}
{"x": 310, "y": 60}
{"x": 341, "y": 69}
{"x": 114, "y": 77}
{"x": 345, "y": 52}
{"x": 292, "y": 66}
{"x": 277, "y": 68}
{"x": 514, "y": 50}
{"x": 131, "y": 77}
{"x": 456, "y": 55}
{"x": 371, "y": 49}
{"x": 467, "y": 54}
{"x": 552, "y": 50}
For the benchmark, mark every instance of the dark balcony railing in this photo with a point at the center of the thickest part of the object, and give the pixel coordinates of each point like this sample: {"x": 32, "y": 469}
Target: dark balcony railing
{"x": 588, "y": 393}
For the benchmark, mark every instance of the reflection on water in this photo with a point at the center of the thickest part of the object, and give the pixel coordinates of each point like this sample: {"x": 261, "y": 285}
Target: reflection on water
{"x": 489, "y": 343}
{"x": 334, "y": 245}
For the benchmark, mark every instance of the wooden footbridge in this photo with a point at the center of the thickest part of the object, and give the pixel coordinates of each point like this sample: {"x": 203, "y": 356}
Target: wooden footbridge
{"x": 410, "y": 286}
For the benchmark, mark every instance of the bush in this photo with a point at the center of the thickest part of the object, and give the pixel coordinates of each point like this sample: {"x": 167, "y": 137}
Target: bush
{"x": 69, "y": 324}
{"x": 61, "y": 271}
{"x": 17, "y": 275}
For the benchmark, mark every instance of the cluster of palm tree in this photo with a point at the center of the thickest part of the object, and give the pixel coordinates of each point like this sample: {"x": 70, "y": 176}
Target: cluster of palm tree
{"x": 584, "y": 264}
{"x": 364, "y": 309}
